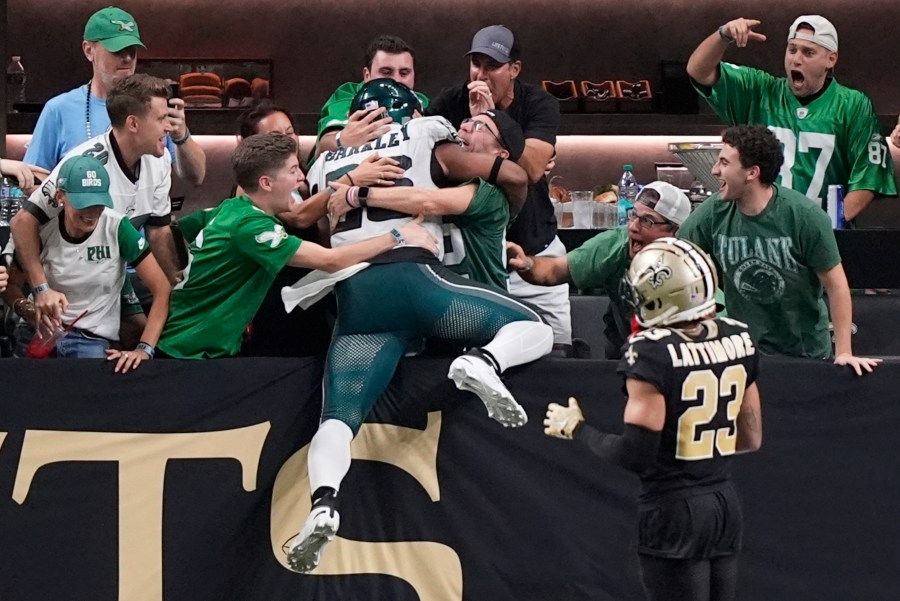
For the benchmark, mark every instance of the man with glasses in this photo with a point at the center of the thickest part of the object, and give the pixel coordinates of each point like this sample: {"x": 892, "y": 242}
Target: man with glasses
{"x": 601, "y": 262}
{"x": 475, "y": 213}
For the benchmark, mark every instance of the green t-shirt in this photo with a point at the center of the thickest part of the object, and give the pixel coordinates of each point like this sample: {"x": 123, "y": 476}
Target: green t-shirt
{"x": 600, "y": 263}
{"x": 768, "y": 267}
{"x": 835, "y": 139}
{"x": 475, "y": 241}
{"x": 337, "y": 109}
{"x": 233, "y": 261}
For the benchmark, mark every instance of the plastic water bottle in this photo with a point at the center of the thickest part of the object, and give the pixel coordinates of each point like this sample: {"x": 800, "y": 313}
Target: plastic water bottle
{"x": 628, "y": 189}
{"x": 15, "y": 83}
{"x": 5, "y": 201}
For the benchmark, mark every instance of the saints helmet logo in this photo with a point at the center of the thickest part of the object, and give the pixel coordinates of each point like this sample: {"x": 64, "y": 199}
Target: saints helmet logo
{"x": 659, "y": 273}
{"x": 124, "y": 25}
{"x": 273, "y": 238}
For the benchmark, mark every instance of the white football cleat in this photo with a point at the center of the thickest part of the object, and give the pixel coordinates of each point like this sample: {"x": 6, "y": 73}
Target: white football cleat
{"x": 305, "y": 550}
{"x": 470, "y": 372}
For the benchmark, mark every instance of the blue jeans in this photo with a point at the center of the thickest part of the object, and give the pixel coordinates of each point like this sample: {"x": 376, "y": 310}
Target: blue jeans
{"x": 81, "y": 345}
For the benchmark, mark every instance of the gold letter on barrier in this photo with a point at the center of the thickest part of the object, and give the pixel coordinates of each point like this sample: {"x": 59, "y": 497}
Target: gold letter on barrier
{"x": 432, "y": 569}
{"x": 142, "y": 462}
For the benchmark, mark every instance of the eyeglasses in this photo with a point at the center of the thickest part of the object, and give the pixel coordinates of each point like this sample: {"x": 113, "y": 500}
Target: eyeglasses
{"x": 478, "y": 125}
{"x": 644, "y": 220}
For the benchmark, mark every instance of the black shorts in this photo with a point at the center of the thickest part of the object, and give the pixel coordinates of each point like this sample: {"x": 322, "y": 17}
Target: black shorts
{"x": 691, "y": 524}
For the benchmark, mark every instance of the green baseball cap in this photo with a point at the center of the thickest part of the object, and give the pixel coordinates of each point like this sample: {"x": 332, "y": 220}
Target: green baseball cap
{"x": 114, "y": 28}
{"x": 85, "y": 181}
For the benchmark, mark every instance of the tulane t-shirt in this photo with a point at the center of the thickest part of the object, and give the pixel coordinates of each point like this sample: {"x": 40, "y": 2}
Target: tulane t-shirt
{"x": 768, "y": 267}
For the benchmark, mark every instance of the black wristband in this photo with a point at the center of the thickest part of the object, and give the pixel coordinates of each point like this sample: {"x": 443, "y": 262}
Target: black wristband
{"x": 495, "y": 170}
{"x": 187, "y": 135}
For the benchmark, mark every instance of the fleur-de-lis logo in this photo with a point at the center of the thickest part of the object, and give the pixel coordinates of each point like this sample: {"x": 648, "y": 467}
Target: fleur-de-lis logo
{"x": 124, "y": 25}
{"x": 659, "y": 273}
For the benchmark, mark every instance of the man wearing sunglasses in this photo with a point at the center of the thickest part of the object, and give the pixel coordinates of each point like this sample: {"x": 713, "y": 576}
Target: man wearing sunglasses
{"x": 601, "y": 262}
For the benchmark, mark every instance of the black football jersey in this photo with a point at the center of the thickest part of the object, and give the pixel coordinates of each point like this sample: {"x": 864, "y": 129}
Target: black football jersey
{"x": 703, "y": 380}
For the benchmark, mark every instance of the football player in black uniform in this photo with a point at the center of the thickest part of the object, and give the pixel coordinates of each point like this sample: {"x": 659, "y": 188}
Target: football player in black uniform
{"x": 692, "y": 404}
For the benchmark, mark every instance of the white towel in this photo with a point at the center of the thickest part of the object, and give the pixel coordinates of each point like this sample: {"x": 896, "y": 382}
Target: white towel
{"x": 313, "y": 286}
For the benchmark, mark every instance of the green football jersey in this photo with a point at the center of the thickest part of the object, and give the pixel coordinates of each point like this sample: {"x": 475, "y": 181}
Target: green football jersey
{"x": 835, "y": 139}
{"x": 475, "y": 242}
{"x": 233, "y": 261}
{"x": 768, "y": 267}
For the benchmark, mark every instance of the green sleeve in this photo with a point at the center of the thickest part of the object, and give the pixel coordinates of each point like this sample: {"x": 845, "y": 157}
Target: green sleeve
{"x": 337, "y": 107}
{"x": 737, "y": 92}
{"x": 820, "y": 249}
{"x": 132, "y": 246}
{"x": 872, "y": 166}
{"x": 262, "y": 238}
{"x": 190, "y": 225}
{"x": 601, "y": 261}
{"x": 488, "y": 211}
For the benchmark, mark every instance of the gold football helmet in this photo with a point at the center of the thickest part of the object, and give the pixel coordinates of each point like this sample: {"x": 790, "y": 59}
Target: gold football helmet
{"x": 671, "y": 281}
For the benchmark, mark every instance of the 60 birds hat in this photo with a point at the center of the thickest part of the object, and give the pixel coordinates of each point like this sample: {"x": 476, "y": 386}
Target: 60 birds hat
{"x": 496, "y": 41}
{"x": 85, "y": 181}
{"x": 114, "y": 28}
{"x": 511, "y": 136}
{"x": 669, "y": 201}
{"x": 824, "y": 34}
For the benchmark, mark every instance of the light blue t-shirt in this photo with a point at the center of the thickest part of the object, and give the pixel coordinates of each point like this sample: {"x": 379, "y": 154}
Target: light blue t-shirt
{"x": 62, "y": 126}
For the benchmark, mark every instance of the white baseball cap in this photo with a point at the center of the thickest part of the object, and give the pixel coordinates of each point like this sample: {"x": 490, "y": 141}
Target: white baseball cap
{"x": 824, "y": 34}
{"x": 671, "y": 203}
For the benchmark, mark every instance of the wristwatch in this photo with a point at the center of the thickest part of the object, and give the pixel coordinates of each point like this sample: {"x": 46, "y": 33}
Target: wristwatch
{"x": 363, "y": 196}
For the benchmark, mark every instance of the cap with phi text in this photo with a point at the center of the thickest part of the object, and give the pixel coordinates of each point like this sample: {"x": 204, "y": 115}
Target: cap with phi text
{"x": 667, "y": 200}
{"x": 85, "y": 181}
{"x": 496, "y": 41}
{"x": 114, "y": 28}
{"x": 824, "y": 34}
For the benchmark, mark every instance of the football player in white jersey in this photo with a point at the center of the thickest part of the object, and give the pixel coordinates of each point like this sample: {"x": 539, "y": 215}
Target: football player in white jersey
{"x": 389, "y": 306}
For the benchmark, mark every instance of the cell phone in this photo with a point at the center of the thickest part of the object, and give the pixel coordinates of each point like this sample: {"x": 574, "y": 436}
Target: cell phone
{"x": 174, "y": 90}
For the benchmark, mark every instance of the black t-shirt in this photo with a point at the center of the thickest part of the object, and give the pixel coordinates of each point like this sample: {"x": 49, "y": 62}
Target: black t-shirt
{"x": 702, "y": 380}
{"x": 537, "y": 112}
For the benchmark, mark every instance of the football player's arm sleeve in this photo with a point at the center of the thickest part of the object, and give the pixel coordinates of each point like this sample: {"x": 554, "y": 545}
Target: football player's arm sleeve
{"x": 749, "y": 422}
{"x": 635, "y": 449}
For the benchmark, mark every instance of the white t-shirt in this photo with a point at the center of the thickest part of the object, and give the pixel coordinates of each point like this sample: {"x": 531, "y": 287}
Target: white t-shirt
{"x": 91, "y": 272}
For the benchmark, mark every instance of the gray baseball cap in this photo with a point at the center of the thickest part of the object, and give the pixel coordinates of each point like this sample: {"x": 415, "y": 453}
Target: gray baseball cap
{"x": 496, "y": 41}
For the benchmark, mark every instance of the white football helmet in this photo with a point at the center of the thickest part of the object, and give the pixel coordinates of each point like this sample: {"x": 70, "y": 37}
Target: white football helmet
{"x": 671, "y": 281}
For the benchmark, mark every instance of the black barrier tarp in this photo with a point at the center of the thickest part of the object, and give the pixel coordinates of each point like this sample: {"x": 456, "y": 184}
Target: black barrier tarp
{"x": 526, "y": 517}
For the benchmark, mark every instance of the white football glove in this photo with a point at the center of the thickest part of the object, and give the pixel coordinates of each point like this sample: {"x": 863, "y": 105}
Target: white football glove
{"x": 562, "y": 422}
